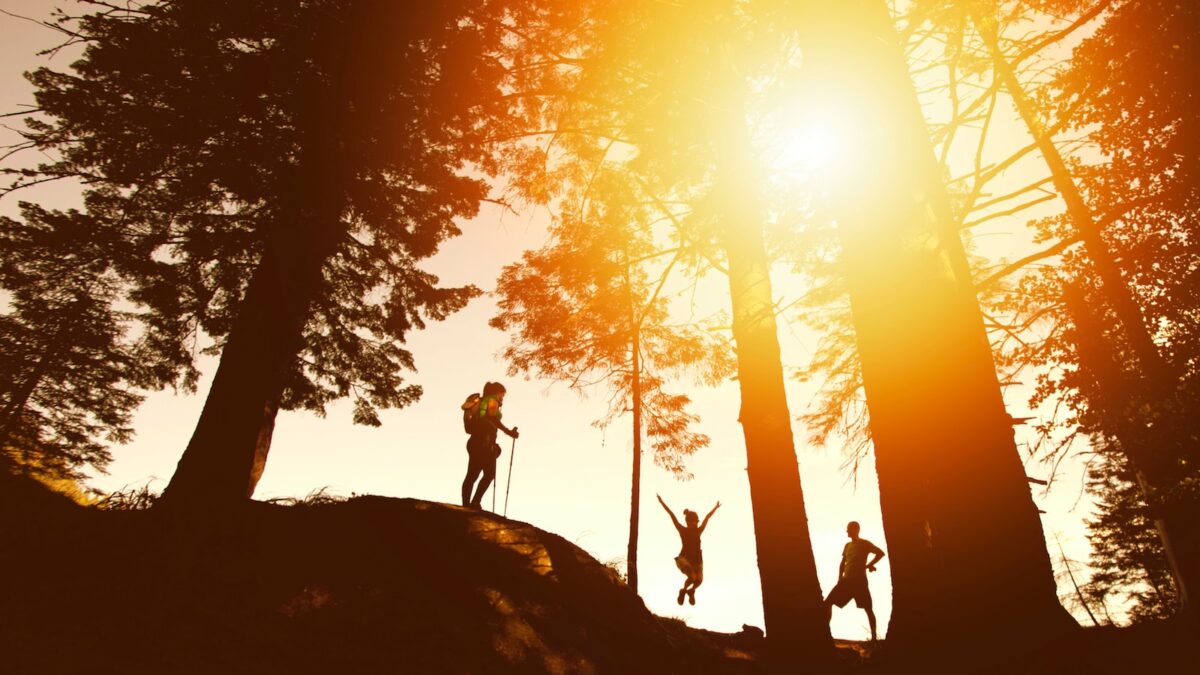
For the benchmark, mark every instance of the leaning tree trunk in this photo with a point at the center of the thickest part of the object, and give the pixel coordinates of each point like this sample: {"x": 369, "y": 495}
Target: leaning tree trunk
{"x": 228, "y": 449}
{"x": 961, "y": 526}
{"x": 10, "y": 416}
{"x": 797, "y": 629}
{"x": 1157, "y": 462}
{"x": 1132, "y": 324}
{"x": 227, "y": 452}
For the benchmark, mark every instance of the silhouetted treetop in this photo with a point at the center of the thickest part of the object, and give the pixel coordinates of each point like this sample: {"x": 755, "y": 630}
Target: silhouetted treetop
{"x": 189, "y": 121}
{"x": 276, "y": 171}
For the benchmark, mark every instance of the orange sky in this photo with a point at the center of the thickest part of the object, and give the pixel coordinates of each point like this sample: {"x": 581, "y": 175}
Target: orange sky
{"x": 569, "y": 477}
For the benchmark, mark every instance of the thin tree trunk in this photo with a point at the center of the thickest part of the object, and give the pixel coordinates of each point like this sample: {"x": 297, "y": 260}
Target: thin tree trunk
{"x": 961, "y": 526}
{"x": 635, "y": 358}
{"x": 635, "y": 498}
{"x": 1075, "y": 584}
{"x": 12, "y": 412}
{"x": 11, "y": 415}
{"x": 1132, "y": 324}
{"x": 1177, "y": 528}
{"x": 797, "y": 629}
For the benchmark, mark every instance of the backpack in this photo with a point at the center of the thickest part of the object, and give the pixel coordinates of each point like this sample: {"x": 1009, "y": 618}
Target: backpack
{"x": 470, "y": 413}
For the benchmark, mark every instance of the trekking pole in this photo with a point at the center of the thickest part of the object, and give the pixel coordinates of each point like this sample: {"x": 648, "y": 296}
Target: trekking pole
{"x": 511, "y": 454}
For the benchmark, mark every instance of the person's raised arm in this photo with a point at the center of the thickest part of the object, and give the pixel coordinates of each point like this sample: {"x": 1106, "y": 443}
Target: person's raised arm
{"x": 710, "y": 514}
{"x": 878, "y": 553}
{"x": 669, "y": 512}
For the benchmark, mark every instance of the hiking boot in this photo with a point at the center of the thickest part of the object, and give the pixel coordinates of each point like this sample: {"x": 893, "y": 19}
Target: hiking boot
{"x": 691, "y": 597}
{"x": 680, "y": 598}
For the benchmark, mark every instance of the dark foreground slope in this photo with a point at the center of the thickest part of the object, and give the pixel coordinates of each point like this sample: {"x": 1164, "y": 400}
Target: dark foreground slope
{"x": 377, "y": 585}
{"x": 371, "y": 585}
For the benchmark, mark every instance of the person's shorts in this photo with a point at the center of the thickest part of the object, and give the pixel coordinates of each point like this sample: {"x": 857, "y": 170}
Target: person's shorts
{"x": 483, "y": 446}
{"x": 851, "y": 588}
{"x": 692, "y": 570}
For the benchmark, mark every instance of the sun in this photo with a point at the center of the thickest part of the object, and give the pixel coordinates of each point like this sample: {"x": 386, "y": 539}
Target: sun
{"x": 811, "y": 147}
{"x": 808, "y": 142}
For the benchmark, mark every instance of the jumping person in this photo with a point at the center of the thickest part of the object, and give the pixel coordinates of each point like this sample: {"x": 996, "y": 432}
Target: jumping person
{"x": 482, "y": 448}
{"x": 690, "y": 560}
{"x": 852, "y": 575}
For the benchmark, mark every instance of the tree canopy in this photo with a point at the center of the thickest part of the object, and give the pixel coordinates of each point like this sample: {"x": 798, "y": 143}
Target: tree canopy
{"x": 315, "y": 151}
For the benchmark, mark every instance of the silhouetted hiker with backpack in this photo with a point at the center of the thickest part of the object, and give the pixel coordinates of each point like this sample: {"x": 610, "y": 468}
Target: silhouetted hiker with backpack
{"x": 690, "y": 560}
{"x": 852, "y": 575}
{"x": 481, "y": 419}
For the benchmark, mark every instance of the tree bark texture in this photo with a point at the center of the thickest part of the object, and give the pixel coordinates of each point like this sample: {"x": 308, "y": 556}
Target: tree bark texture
{"x": 961, "y": 526}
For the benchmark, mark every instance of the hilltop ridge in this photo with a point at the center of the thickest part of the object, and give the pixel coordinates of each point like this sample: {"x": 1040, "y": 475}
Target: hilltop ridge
{"x": 371, "y": 584}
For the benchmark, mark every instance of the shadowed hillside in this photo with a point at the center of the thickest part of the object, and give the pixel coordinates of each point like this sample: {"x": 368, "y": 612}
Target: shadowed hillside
{"x": 380, "y": 585}
{"x": 368, "y": 585}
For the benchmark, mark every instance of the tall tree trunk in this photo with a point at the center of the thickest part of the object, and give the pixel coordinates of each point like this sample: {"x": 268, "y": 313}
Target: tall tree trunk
{"x": 228, "y": 449}
{"x": 796, "y": 625}
{"x": 1156, "y": 462}
{"x": 961, "y": 526}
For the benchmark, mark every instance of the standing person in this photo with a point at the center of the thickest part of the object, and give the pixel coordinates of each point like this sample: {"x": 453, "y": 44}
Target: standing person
{"x": 690, "y": 560}
{"x": 852, "y": 575}
{"x": 482, "y": 448}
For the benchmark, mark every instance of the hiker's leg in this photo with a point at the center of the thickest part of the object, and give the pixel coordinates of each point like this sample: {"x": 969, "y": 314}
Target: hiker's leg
{"x": 473, "y": 471}
{"x": 474, "y": 468}
{"x": 489, "y": 474}
{"x": 871, "y": 620}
